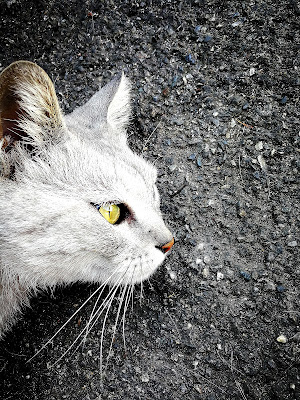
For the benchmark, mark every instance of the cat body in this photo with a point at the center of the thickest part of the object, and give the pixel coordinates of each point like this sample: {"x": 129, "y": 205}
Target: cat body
{"x": 62, "y": 179}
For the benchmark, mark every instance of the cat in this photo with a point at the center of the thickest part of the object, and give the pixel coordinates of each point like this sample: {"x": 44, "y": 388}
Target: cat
{"x": 76, "y": 204}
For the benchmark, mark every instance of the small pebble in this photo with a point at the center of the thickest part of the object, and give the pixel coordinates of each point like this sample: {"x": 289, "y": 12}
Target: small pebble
{"x": 281, "y": 339}
{"x": 183, "y": 388}
{"x": 201, "y": 246}
{"x": 207, "y": 38}
{"x": 80, "y": 68}
{"x": 189, "y": 59}
{"x": 205, "y": 272}
{"x": 145, "y": 378}
{"x": 259, "y": 146}
{"x": 292, "y": 243}
{"x": 216, "y": 122}
{"x": 283, "y": 100}
{"x": 199, "y": 162}
{"x": 252, "y": 71}
{"x": 198, "y": 388}
{"x": 192, "y": 157}
{"x": 206, "y": 259}
{"x": 279, "y": 249}
{"x": 242, "y": 213}
{"x": 280, "y": 288}
{"x": 256, "y": 174}
{"x": 174, "y": 81}
{"x": 245, "y": 275}
{"x": 220, "y": 276}
{"x": 172, "y": 275}
{"x": 262, "y": 162}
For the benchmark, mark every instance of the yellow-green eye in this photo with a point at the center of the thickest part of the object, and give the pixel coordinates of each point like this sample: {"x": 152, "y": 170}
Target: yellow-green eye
{"x": 111, "y": 213}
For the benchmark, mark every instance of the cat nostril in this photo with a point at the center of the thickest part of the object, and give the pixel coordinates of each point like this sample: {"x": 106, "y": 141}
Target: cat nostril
{"x": 166, "y": 247}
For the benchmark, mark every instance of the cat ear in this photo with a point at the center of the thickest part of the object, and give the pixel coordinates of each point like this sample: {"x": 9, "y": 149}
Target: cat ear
{"x": 118, "y": 99}
{"x": 110, "y": 105}
{"x": 29, "y": 110}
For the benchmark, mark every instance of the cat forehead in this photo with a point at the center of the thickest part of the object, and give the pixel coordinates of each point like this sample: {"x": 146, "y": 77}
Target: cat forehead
{"x": 112, "y": 155}
{"x": 79, "y": 164}
{"x": 122, "y": 164}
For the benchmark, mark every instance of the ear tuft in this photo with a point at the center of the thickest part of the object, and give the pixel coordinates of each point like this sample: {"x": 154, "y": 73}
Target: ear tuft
{"x": 29, "y": 110}
{"x": 118, "y": 112}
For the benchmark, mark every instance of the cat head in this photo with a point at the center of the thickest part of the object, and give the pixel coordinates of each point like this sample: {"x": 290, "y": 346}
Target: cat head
{"x": 76, "y": 204}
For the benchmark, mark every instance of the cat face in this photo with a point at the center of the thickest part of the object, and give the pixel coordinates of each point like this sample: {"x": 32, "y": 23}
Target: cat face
{"x": 76, "y": 203}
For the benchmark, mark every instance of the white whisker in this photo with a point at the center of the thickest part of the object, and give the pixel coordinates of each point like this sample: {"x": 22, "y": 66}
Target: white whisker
{"x": 124, "y": 314}
{"x": 103, "y": 328}
{"x": 93, "y": 313}
{"x": 117, "y": 318}
{"x": 96, "y": 317}
{"x": 72, "y": 316}
{"x": 98, "y": 312}
{"x": 141, "y": 293}
{"x": 132, "y": 297}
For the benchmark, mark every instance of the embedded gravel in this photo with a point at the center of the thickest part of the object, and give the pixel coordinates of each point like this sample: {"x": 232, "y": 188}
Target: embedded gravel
{"x": 216, "y": 108}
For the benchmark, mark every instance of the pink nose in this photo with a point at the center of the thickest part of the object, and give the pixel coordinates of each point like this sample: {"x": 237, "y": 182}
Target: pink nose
{"x": 168, "y": 246}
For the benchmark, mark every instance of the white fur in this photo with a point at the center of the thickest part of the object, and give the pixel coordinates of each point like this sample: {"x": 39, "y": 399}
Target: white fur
{"x": 49, "y": 232}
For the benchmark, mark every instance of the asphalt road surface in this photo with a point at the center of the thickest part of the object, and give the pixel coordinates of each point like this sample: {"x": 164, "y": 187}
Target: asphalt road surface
{"x": 216, "y": 108}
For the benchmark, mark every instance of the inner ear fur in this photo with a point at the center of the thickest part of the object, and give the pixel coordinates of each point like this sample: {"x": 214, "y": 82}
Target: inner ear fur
{"x": 29, "y": 109}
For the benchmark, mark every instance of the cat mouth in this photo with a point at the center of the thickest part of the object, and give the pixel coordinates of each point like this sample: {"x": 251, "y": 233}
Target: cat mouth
{"x": 143, "y": 269}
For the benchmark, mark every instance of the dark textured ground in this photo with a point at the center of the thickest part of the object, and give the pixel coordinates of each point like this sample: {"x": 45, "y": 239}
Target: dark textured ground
{"x": 216, "y": 101}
